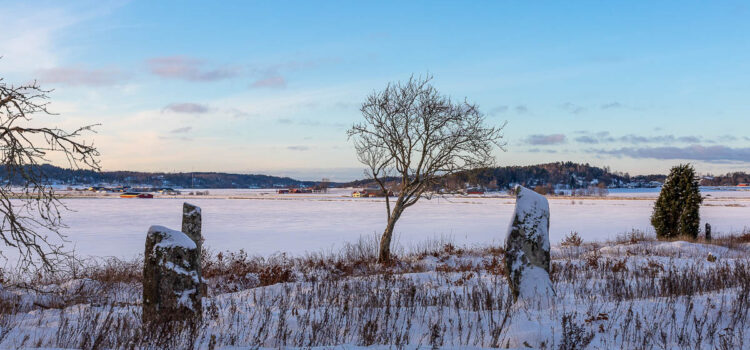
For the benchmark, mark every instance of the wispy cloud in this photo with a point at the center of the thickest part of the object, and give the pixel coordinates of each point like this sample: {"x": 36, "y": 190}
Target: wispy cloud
{"x": 181, "y": 130}
{"x": 587, "y": 139}
{"x": 81, "y": 76}
{"x": 716, "y": 154}
{"x": 272, "y": 81}
{"x": 298, "y": 148}
{"x": 31, "y": 33}
{"x": 238, "y": 113}
{"x": 187, "y": 108}
{"x": 611, "y": 105}
{"x": 605, "y": 137}
{"x": 190, "y": 69}
{"x": 498, "y": 110}
{"x": 572, "y": 108}
{"x": 309, "y": 122}
{"x": 538, "y": 150}
{"x": 553, "y": 139}
{"x": 272, "y": 76}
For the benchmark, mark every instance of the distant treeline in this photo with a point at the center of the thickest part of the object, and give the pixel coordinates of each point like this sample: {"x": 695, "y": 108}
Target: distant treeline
{"x": 567, "y": 174}
{"x": 731, "y": 179}
{"x": 71, "y": 177}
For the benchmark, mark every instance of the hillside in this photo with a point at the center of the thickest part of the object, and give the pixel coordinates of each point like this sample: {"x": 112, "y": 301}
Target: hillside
{"x": 560, "y": 174}
{"x": 57, "y": 175}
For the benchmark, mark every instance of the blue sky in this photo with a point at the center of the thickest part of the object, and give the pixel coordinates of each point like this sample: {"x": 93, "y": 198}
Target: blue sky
{"x": 271, "y": 87}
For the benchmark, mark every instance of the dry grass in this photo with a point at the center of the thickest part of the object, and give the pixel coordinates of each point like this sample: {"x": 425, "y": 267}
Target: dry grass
{"x": 434, "y": 294}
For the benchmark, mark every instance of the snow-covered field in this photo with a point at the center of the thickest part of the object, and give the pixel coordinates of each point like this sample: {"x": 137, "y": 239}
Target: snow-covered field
{"x": 262, "y": 222}
{"x": 632, "y": 294}
{"x": 645, "y": 295}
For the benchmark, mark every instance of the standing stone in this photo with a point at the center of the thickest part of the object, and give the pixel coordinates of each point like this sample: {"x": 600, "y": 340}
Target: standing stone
{"x": 191, "y": 222}
{"x": 527, "y": 256}
{"x": 708, "y": 232}
{"x": 191, "y": 225}
{"x": 171, "y": 277}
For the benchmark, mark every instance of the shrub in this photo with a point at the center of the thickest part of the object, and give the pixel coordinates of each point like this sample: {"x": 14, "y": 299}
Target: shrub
{"x": 572, "y": 240}
{"x": 676, "y": 211}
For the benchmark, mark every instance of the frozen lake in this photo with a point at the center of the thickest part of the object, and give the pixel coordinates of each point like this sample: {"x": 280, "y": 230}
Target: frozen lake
{"x": 262, "y": 222}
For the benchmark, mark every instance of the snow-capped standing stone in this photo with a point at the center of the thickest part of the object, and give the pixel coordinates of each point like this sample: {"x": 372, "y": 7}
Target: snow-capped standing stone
{"x": 191, "y": 222}
{"x": 191, "y": 226}
{"x": 171, "y": 277}
{"x": 527, "y": 248}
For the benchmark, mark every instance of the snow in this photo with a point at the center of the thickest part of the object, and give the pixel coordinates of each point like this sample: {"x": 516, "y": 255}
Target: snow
{"x": 184, "y": 298}
{"x": 171, "y": 238}
{"x": 668, "y": 249}
{"x": 585, "y": 298}
{"x": 535, "y": 286}
{"x": 262, "y": 222}
{"x": 531, "y": 205}
{"x": 196, "y": 209}
{"x": 180, "y": 270}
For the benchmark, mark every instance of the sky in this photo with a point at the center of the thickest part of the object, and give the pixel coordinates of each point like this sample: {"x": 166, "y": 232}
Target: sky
{"x": 271, "y": 87}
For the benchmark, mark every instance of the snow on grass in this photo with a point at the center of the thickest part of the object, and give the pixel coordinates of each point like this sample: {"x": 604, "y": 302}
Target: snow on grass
{"x": 651, "y": 295}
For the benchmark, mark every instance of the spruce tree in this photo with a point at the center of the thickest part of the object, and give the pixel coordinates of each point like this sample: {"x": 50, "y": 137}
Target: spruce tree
{"x": 676, "y": 211}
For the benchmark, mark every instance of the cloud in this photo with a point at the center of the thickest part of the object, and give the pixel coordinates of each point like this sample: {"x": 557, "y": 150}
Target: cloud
{"x": 537, "y": 150}
{"x": 605, "y": 137}
{"x": 498, "y": 110}
{"x": 273, "y": 81}
{"x": 80, "y": 76}
{"x": 713, "y": 154}
{"x": 187, "y": 108}
{"x": 553, "y": 139}
{"x": 521, "y": 109}
{"x": 587, "y": 139}
{"x": 572, "y": 108}
{"x": 309, "y": 123}
{"x": 298, "y": 148}
{"x": 612, "y": 105}
{"x": 238, "y": 113}
{"x": 33, "y": 35}
{"x": 689, "y": 139}
{"x": 181, "y": 130}
{"x": 190, "y": 69}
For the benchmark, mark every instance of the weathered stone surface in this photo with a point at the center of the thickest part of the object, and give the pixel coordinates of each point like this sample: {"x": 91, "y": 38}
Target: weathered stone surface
{"x": 191, "y": 226}
{"x": 527, "y": 248}
{"x": 191, "y": 222}
{"x": 171, "y": 277}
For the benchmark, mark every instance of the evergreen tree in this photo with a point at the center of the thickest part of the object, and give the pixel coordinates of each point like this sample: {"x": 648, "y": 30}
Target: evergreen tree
{"x": 676, "y": 212}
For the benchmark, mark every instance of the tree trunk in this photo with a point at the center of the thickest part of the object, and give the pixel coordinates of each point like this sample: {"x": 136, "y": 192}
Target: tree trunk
{"x": 384, "y": 254}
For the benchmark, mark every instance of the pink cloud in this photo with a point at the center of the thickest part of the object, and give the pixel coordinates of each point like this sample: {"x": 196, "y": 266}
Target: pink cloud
{"x": 186, "y": 68}
{"x": 273, "y": 81}
{"x": 81, "y": 76}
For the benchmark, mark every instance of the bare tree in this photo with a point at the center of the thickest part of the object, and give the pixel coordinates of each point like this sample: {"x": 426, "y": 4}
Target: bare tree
{"x": 31, "y": 210}
{"x": 418, "y": 135}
